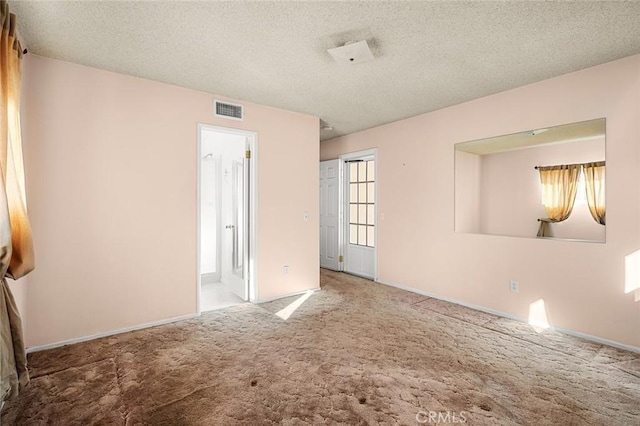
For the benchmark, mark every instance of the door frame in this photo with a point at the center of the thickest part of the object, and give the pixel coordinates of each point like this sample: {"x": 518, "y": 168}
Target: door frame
{"x": 251, "y": 217}
{"x": 343, "y": 203}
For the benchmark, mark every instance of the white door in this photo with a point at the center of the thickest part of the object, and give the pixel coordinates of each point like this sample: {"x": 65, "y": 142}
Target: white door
{"x": 235, "y": 236}
{"x": 329, "y": 206}
{"x": 360, "y": 215}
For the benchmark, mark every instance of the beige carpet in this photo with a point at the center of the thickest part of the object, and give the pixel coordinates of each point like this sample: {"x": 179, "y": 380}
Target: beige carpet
{"x": 354, "y": 353}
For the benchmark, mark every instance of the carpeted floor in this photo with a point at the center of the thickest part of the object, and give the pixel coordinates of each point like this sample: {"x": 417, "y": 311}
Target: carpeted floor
{"x": 354, "y": 353}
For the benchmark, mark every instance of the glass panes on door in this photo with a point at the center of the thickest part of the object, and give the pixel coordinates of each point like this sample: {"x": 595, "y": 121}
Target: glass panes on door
{"x": 362, "y": 203}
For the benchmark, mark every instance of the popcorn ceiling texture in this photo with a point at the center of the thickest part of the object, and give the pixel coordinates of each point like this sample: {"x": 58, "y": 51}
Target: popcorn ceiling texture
{"x": 429, "y": 54}
{"x": 355, "y": 352}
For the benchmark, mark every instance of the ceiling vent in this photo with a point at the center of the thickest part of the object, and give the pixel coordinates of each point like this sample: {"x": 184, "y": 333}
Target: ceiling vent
{"x": 228, "y": 110}
{"x": 353, "y": 52}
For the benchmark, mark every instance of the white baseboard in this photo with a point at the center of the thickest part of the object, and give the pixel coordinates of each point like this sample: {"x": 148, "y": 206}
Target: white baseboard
{"x": 388, "y": 283}
{"x": 109, "y": 333}
{"x": 297, "y": 293}
{"x": 585, "y": 336}
{"x": 142, "y": 326}
{"x": 210, "y": 278}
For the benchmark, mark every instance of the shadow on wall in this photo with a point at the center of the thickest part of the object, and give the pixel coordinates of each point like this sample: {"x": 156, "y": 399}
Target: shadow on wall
{"x": 538, "y": 318}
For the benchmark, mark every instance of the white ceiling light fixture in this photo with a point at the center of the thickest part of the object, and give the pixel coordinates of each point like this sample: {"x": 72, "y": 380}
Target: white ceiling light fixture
{"x": 538, "y": 131}
{"x": 353, "y": 52}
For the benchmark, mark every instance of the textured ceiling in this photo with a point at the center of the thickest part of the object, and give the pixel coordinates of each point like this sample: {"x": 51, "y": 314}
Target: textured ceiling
{"x": 429, "y": 55}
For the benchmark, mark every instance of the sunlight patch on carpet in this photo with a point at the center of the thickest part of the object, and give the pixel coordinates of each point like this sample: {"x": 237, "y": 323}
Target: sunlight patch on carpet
{"x": 286, "y": 312}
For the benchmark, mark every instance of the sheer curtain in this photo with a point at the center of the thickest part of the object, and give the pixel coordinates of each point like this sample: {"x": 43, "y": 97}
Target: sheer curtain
{"x": 16, "y": 247}
{"x": 559, "y": 186}
{"x": 594, "y": 183}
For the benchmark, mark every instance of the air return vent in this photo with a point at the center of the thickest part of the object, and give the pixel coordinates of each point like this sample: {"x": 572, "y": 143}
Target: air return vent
{"x": 227, "y": 110}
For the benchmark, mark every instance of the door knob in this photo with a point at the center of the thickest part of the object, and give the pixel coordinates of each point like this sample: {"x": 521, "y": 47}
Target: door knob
{"x": 229, "y": 226}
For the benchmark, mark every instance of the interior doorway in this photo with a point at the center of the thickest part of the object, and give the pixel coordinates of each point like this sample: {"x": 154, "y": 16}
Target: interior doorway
{"x": 348, "y": 214}
{"x": 226, "y": 217}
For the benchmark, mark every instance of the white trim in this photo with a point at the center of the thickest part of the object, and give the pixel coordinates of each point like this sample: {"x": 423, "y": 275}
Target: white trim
{"x": 341, "y": 208}
{"x": 297, "y": 293}
{"x": 110, "y": 333}
{"x": 342, "y": 225}
{"x": 198, "y": 218}
{"x": 253, "y": 219}
{"x": 210, "y": 278}
{"x": 573, "y": 333}
{"x": 253, "y": 210}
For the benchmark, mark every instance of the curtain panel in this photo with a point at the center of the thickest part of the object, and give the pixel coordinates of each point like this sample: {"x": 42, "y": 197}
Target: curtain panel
{"x": 594, "y": 175}
{"x": 559, "y": 187}
{"x": 16, "y": 246}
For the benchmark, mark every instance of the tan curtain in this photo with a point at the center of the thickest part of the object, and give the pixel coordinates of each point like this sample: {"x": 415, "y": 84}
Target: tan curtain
{"x": 594, "y": 184}
{"x": 16, "y": 247}
{"x": 559, "y": 186}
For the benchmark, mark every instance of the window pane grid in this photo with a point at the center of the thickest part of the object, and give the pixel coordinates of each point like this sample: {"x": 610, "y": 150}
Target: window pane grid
{"x": 361, "y": 203}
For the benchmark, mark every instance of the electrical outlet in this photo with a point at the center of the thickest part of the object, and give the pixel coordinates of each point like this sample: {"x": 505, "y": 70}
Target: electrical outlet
{"x": 513, "y": 285}
{"x": 285, "y": 270}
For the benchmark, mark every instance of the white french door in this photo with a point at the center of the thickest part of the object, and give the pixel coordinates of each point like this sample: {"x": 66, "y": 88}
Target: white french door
{"x": 348, "y": 229}
{"x": 360, "y": 215}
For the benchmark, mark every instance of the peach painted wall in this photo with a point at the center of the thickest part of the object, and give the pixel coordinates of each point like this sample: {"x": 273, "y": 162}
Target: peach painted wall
{"x": 582, "y": 284}
{"x": 510, "y": 198}
{"x": 111, "y": 187}
{"x": 468, "y": 175}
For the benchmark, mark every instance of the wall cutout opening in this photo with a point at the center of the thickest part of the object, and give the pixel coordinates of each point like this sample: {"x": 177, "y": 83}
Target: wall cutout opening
{"x": 500, "y": 183}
